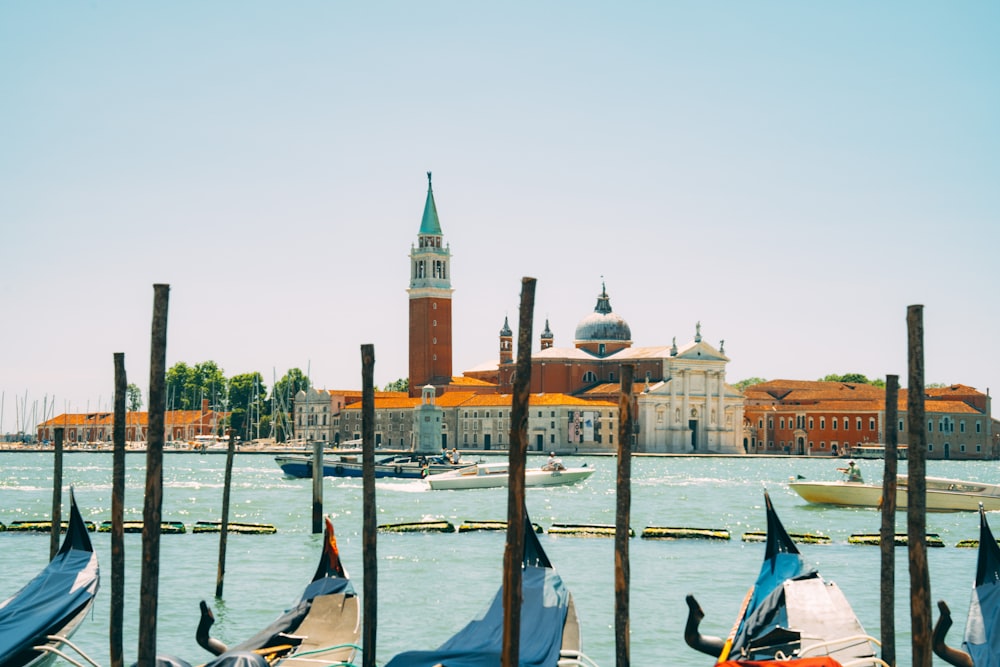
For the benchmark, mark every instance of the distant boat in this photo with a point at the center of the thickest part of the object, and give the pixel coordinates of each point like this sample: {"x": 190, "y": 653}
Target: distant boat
{"x": 407, "y": 466}
{"x": 943, "y": 494}
{"x": 495, "y": 474}
{"x": 322, "y": 628}
{"x": 790, "y": 615}
{"x": 549, "y": 632}
{"x": 981, "y": 642}
{"x": 875, "y": 452}
{"x": 40, "y": 617}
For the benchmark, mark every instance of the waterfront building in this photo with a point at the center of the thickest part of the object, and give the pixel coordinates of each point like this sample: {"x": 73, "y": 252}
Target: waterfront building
{"x": 95, "y": 428}
{"x": 832, "y": 418}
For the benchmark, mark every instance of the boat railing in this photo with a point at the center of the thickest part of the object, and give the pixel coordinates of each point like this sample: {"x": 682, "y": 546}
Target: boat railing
{"x": 329, "y": 649}
{"x": 569, "y": 658}
{"x": 46, "y": 648}
{"x": 842, "y": 643}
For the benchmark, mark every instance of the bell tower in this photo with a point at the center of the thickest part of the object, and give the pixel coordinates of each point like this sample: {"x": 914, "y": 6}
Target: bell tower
{"x": 430, "y": 302}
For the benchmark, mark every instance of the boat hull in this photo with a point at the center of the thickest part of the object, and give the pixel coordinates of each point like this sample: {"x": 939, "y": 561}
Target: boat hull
{"x": 297, "y": 465}
{"x": 457, "y": 480}
{"x": 943, "y": 495}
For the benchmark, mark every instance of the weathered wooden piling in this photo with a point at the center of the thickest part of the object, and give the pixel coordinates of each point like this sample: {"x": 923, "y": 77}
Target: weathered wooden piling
{"x": 369, "y": 519}
{"x": 888, "y": 528}
{"x": 57, "y": 467}
{"x": 224, "y": 525}
{"x": 916, "y": 511}
{"x": 317, "y": 488}
{"x": 153, "y": 505}
{"x": 513, "y": 554}
{"x": 623, "y": 518}
{"x": 117, "y": 620}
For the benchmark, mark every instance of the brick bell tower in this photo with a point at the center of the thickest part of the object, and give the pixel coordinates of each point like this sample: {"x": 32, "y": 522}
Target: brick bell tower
{"x": 430, "y": 303}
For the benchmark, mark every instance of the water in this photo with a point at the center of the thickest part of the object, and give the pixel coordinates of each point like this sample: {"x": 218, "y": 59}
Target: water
{"x": 432, "y": 584}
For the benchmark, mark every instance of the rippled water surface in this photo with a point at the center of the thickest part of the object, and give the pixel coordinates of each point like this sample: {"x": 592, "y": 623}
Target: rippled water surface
{"x": 429, "y": 585}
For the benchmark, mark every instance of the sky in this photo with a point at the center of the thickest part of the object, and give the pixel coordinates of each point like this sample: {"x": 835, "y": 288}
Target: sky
{"x": 791, "y": 175}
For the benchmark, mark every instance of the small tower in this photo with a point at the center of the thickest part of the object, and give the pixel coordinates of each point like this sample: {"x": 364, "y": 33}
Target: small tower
{"x": 547, "y": 338}
{"x": 430, "y": 302}
{"x": 428, "y": 423}
{"x": 506, "y": 343}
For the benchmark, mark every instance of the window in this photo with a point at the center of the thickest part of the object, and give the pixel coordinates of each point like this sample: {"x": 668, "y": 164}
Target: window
{"x": 961, "y": 426}
{"x": 760, "y": 423}
{"x": 810, "y": 423}
{"x": 930, "y": 426}
{"x": 979, "y": 427}
{"x": 871, "y": 423}
{"x": 589, "y": 377}
{"x": 822, "y": 422}
{"x": 781, "y": 422}
{"x": 859, "y": 423}
{"x": 901, "y": 424}
{"x": 770, "y": 422}
{"x": 833, "y": 423}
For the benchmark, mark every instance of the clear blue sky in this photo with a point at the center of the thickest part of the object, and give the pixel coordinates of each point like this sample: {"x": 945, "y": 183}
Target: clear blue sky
{"x": 792, "y": 175}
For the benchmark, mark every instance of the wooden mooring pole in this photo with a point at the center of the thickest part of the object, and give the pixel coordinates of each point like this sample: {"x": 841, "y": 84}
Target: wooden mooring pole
{"x": 117, "y": 619}
{"x": 224, "y": 523}
{"x": 153, "y": 505}
{"x": 317, "y": 487}
{"x": 888, "y": 528}
{"x": 916, "y": 511}
{"x": 57, "y": 469}
{"x": 369, "y": 518}
{"x": 623, "y": 517}
{"x": 513, "y": 555}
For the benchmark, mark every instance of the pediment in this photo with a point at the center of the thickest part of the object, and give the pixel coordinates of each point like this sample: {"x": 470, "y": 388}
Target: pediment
{"x": 700, "y": 351}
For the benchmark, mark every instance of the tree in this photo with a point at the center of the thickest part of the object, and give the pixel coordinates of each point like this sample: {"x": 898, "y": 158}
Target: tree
{"x": 853, "y": 378}
{"x": 402, "y": 384}
{"x": 743, "y": 384}
{"x": 283, "y": 397}
{"x": 187, "y": 385}
{"x": 133, "y": 397}
{"x": 248, "y": 402}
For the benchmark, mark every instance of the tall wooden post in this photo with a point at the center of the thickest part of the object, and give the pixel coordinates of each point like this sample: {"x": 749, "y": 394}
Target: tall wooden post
{"x": 513, "y": 555}
{"x": 153, "y": 506}
{"x": 916, "y": 512}
{"x": 224, "y": 521}
{"x": 57, "y": 475}
{"x": 317, "y": 487}
{"x": 888, "y": 529}
{"x": 623, "y": 518}
{"x": 370, "y": 527}
{"x": 118, "y": 516}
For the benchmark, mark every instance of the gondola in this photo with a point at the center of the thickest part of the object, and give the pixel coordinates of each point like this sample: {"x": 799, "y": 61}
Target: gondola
{"x": 790, "y": 614}
{"x": 322, "y": 628}
{"x": 550, "y": 630}
{"x": 981, "y": 643}
{"x": 38, "y": 620}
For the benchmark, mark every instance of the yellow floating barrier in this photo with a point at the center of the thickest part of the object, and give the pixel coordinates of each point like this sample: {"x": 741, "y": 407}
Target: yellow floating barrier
{"x": 899, "y": 540}
{"x": 585, "y": 530}
{"x": 969, "y": 544}
{"x": 671, "y": 533}
{"x": 239, "y": 527}
{"x": 802, "y": 538}
{"x": 166, "y": 527}
{"x": 419, "y": 527}
{"x": 42, "y": 526}
{"x": 490, "y": 524}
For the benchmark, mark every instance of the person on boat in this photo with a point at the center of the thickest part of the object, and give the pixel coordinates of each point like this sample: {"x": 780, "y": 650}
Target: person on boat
{"x": 853, "y": 472}
{"x": 553, "y": 463}
{"x": 455, "y": 456}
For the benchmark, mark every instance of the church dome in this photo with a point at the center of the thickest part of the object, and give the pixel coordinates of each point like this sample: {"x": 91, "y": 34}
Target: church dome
{"x": 603, "y": 324}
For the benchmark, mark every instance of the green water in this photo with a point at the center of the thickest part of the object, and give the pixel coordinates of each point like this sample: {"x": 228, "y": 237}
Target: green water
{"x": 431, "y": 584}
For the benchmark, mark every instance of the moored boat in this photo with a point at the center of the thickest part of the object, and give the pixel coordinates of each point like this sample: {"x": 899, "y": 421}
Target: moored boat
{"x": 41, "y": 617}
{"x": 943, "y": 494}
{"x": 981, "y": 643}
{"x": 496, "y": 474}
{"x": 405, "y": 466}
{"x": 790, "y": 614}
{"x": 323, "y": 627}
{"x": 549, "y": 632}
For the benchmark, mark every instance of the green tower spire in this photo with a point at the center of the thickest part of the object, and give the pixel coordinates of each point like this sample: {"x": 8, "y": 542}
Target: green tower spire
{"x": 430, "y": 225}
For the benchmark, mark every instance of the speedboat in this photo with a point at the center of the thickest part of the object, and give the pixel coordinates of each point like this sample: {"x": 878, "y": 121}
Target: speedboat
{"x": 943, "y": 494}
{"x": 549, "y": 632}
{"x": 789, "y": 615}
{"x": 406, "y": 466}
{"x": 41, "y": 617}
{"x": 981, "y": 642}
{"x": 322, "y": 628}
{"x": 494, "y": 474}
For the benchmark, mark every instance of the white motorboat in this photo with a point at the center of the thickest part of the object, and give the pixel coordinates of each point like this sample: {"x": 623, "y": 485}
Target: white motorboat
{"x": 943, "y": 494}
{"x": 494, "y": 474}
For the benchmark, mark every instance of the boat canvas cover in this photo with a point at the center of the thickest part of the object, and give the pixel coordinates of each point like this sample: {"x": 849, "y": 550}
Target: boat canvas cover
{"x": 982, "y": 628}
{"x": 67, "y": 584}
{"x": 544, "y": 606}
{"x": 480, "y": 643}
{"x": 782, "y": 561}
